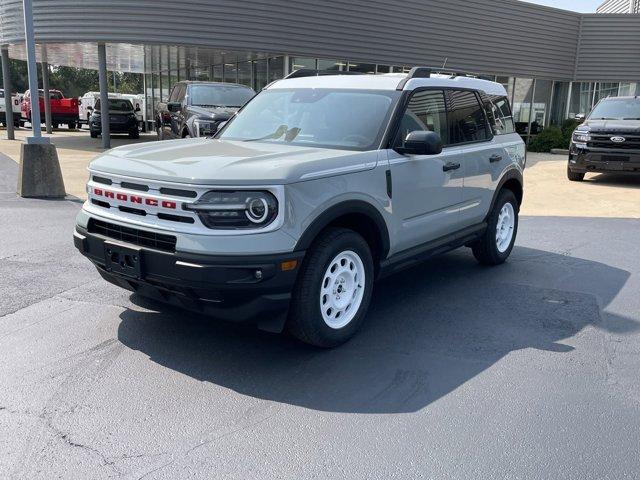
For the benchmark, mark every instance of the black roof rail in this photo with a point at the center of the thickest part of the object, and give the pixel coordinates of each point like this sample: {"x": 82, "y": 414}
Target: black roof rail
{"x": 312, "y": 72}
{"x": 415, "y": 72}
{"x": 426, "y": 72}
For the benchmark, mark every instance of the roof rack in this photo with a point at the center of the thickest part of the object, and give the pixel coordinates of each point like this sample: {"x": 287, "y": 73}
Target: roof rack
{"x": 426, "y": 72}
{"x": 312, "y": 72}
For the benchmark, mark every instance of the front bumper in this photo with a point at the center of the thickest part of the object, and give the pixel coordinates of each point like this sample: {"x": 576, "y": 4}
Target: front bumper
{"x": 127, "y": 127}
{"x": 224, "y": 287}
{"x": 604, "y": 160}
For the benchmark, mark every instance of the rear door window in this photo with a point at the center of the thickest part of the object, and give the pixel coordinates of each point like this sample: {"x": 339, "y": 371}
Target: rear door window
{"x": 467, "y": 120}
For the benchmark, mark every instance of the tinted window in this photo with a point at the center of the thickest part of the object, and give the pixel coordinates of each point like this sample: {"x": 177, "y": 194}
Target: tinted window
{"x": 499, "y": 113}
{"x": 466, "y": 118}
{"x": 425, "y": 111}
{"x": 116, "y": 105}
{"x": 219, "y": 95}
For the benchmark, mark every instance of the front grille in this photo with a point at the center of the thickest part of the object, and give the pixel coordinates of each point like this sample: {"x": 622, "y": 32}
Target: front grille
{"x": 135, "y": 236}
{"x": 603, "y": 141}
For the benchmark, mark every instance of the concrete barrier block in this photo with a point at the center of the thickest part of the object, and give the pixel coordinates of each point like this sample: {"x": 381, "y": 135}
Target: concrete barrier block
{"x": 39, "y": 175}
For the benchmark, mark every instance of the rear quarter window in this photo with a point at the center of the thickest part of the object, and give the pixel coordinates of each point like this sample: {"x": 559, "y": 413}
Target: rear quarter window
{"x": 499, "y": 114}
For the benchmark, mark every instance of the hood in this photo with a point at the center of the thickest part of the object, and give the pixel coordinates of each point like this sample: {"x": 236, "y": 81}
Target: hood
{"x": 223, "y": 162}
{"x": 613, "y": 126}
{"x": 214, "y": 113}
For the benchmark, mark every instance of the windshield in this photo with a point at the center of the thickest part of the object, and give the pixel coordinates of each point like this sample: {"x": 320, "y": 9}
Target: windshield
{"x": 617, "y": 109}
{"x": 116, "y": 105}
{"x": 219, "y": 95}
{"x": 52, "y": 95}
{"x": 344, "y": 119}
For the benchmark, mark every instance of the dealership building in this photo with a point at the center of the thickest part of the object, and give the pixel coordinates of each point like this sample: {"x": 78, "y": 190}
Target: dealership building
{"x": 554, "y": 63}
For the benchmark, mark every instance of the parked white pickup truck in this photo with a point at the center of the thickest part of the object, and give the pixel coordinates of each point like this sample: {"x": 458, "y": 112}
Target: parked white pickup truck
{"x": 16, "y": 110}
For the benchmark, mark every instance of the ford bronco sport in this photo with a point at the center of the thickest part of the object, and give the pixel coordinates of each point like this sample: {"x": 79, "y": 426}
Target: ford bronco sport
{"x": 608, "y": 140}
{"x": 317, "y": 187}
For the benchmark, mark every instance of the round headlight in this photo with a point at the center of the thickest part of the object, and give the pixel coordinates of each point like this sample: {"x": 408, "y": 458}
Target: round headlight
{"x": 257, "y": 209}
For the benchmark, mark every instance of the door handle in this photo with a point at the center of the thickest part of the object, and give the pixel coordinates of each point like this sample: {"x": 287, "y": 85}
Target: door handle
{"x": 450, "y": 166}
{"x": 495, "y": 158}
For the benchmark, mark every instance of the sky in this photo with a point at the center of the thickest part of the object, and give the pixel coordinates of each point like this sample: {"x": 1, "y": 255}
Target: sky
{"x": 584, "y": 6}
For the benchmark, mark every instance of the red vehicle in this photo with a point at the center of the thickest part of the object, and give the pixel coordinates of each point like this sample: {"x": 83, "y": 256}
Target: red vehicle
{"x": 63, "y": 110}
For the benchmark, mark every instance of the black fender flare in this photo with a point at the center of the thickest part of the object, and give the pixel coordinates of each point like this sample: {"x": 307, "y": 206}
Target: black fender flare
{"x": 511, "y": 174}
{"x": 344, "y": 208}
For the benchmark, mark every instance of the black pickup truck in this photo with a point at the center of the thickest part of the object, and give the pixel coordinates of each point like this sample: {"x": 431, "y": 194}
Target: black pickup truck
{"x": 196, "y": 109}
{"x": 608, "y": 140}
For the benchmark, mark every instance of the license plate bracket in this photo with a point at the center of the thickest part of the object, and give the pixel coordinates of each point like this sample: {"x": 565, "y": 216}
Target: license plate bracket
{"x": 123, "y": 260}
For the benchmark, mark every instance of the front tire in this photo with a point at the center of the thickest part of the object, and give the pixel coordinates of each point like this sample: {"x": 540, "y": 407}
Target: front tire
{"x": 333, "y": 290}
{"x": 495, "y": 245}
{"x": 134, "y": 134}
{"x": 574, "y": 176}
{"x": 94, "y": 134}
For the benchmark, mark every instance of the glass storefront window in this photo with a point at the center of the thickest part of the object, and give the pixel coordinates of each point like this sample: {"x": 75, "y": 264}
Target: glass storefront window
{"x": 259, "y": 74}
{"x": 523, "y": 91}
{"x": 383, "y": 69}
{"x": 541, "y": 103}
{"x": 276, "y": 68}
{"x": 298, "y": 63}
{"x": 397, "y": 69}
{"x": 559, "y": 103}
{"x": 628, "y": 89}
{"x": 230, "y": 73}
{"x": 362, "y": 67}
{"x": 244, "y": 73}
{"x": 217, "y": 73}
{"x": 581, "y": 98}
{"x": 605, "y": 89}
{"x": 337, "y": 65}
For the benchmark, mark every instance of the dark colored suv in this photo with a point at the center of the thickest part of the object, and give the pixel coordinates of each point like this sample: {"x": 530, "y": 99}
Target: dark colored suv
{"x": 608, "y": 140}
{"x": 122, "y": 118}
{"x": 196, "y": 109}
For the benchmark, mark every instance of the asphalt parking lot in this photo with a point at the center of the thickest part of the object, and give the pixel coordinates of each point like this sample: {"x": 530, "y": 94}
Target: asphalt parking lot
{"x": 527, "y": 370}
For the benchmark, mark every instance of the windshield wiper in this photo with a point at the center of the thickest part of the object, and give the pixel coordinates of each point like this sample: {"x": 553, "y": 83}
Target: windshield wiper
{"x": 603, "y": 118}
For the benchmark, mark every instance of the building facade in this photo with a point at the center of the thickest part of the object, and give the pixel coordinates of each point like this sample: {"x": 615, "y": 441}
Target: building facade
{"x": 619, "y": 6}
{"x": 554, "y": 63}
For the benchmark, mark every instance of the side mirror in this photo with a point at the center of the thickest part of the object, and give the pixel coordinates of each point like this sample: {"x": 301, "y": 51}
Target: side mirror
{"x": 221, "y": 126}
{"x": 421, "y": 142}
{"x": 137, "y": 109}
{"x": 580, "y": 116}
{"x": 174, "y": 106}
{"x": 89, "y": 108}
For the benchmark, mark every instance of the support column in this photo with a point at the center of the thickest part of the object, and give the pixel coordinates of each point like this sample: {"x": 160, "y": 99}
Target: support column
{"x": 104, "y": 96}
{"x": 45, "y": 88}
{"x": 8, "y": 100}
{"x": 39, "y": 174}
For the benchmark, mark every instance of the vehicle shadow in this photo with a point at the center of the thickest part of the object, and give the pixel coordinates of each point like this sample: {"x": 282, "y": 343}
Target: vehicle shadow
{"x": 429, "y": 330}
{"x": 615, "y": 180}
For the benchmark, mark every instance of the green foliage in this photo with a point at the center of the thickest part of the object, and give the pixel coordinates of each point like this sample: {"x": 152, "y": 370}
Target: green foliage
{"x": 550, "y": 137}
{"x": 73, "y": 82}
{"x": 568, "y": 126}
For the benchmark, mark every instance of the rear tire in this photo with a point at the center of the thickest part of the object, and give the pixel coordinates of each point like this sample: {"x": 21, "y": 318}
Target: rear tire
{"x": 134, "y": 134}
{"x": 574, "y": 176}
{"x": 94, "y": 134}
{"x": 496, "y": 243}
{"x": 332, "y": 294}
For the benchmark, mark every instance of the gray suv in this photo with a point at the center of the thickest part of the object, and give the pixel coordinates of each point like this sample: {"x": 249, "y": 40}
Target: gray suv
{"x": 320, "y": 185}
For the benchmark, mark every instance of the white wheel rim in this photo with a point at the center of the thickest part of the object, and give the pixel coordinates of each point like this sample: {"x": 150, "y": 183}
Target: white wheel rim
{"x": 505, "y": 227}
{"x": 342, "y": 289}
